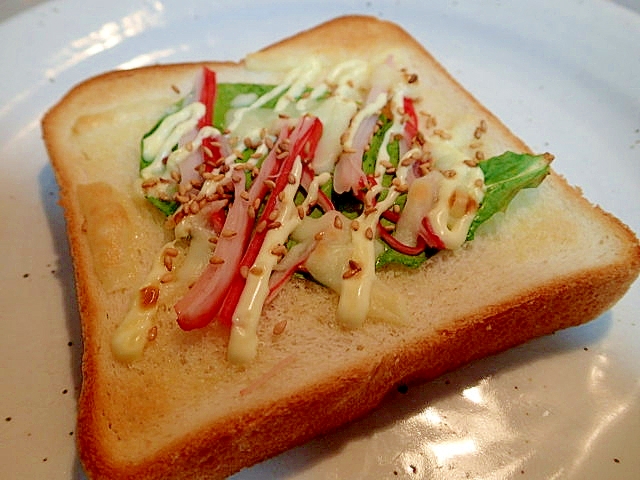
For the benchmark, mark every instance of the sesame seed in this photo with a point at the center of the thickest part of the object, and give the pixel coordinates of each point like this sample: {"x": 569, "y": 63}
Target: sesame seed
{"x": 268, "y": 142}
{"x": 171, "y": 251}
{"x": 406, "y": 161}
{"x": 279, "y": 327}
{"x": 273, "y": 215}
{"x": 291, "y": 178}
{"x": 167, "y": 277}
{"x": 301, "y": 212}
{"x": 168, "y": 263}
{"x": 369, "y": 233}
{"x": 442, "y": 134}
{"x": 262, "y": 224}
{"x": 355, "y": 225}
{"x": 370, "y": 209}
{"x": 227, "y": 233}
{"x": 153, "y": 333}
{"x": 337, "y": 222}
{"x": 471, "y": 163}
{"x": 255, "y": 270}
{"x": 244, "y": 271}
{"x": 216, "y": 260}
{"x": 207, "y": 151}
{"x": 279, "y": 250}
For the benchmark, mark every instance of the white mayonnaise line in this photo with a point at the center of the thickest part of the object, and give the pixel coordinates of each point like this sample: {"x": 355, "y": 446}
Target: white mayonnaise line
{"x": 355, "y": 291}
{"x": 178, "y": 156}
{"x": 160, "y": 143}
{"x": 131, "y": 336}
{"x": 292, "y": 80}
{"x": 243, "y": 340}
{"x": 368, "y": 110}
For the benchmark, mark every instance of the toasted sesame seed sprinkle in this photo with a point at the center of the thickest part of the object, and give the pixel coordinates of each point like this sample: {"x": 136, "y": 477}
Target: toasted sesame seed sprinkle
{"x": 355, "y": 225}
{"x": 369, "y": 233}
{"x": 337, "y": 222}
{"x": 168, "y": 263}
{"x": 278, "y": 328}
{"x": 262, "y": 224}
{"x": 167, "y": 277}
{"x": 471, "y": 163}
{"x": 255, "y": 270}
{"x": 216, "y": 260}
{"x": 152, "y": 333}
{"x": 273, "y": 215}
{"x": 442, "y": 134}
{"x": 244, "y": 271}
{"x": 227, "y": 233}
{"x": 279, "y": 250}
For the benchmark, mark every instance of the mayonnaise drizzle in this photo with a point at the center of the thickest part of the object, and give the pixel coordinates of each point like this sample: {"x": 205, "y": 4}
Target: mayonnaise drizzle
{"x": 299, "y": 93}
{"x": 243, "y": 340}
{"x": 355, "y": 290}
{"x": 158, "y": 145}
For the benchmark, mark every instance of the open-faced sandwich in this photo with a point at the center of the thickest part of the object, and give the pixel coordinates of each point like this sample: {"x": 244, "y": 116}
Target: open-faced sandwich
{"x": 264, "y": 249}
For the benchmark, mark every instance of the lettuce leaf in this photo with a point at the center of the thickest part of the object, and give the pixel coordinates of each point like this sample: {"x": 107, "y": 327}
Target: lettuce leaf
{"x": 504, "y": 176}
{"x": 226, "y": 92}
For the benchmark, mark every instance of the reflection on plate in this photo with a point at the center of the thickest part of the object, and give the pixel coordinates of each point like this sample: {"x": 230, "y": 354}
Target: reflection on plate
{"x": 566, "y": 406}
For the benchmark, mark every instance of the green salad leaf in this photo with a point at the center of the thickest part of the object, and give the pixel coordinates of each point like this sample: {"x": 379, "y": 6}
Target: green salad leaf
{"x": 227, "y": 92}
{"x": 504, "y": 176}
{"x": 389, "y": 256}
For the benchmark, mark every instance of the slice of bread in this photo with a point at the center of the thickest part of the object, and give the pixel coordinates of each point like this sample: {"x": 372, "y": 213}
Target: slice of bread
{"x": 551, "y": 261}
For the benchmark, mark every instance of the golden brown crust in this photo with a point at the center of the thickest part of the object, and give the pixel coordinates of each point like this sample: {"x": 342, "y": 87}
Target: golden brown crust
{"x": 223, "y": 444}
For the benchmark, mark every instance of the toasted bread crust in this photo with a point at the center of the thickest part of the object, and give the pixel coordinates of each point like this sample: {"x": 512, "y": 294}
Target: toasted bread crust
{"x": 261, "y": 427}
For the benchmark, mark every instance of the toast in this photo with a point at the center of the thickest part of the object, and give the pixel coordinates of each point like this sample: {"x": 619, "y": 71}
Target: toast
{"x": 182, "y": 409}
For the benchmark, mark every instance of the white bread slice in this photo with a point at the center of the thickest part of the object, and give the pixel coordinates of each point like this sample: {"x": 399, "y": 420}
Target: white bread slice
{"x": 183, "y": 411}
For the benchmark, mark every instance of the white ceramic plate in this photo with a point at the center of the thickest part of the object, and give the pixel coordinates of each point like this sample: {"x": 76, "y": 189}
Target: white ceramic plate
{"x": 563, "y": 75}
